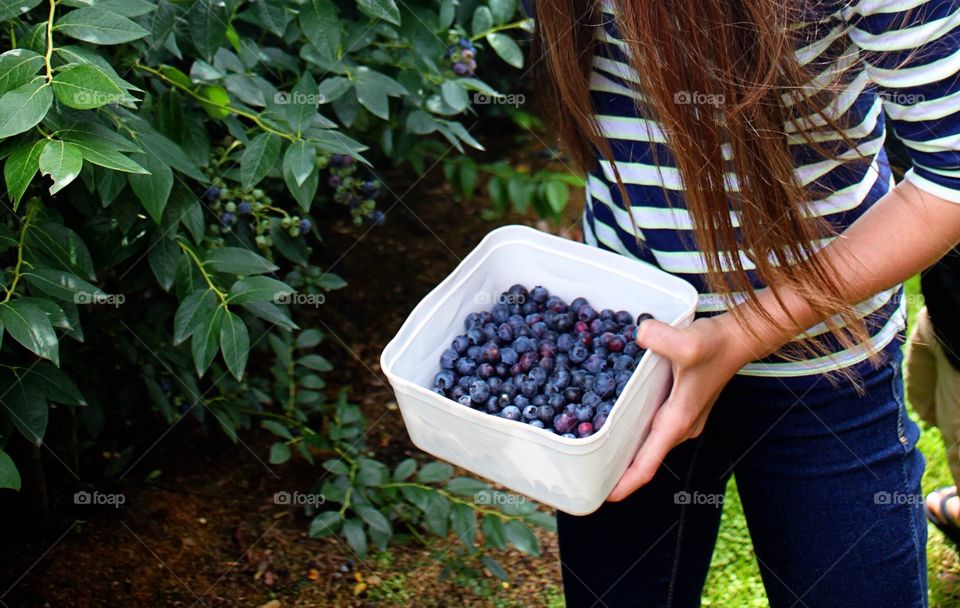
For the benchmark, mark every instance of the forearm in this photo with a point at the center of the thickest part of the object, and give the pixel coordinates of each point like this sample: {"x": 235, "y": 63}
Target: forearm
{"x": 903, "y": 233}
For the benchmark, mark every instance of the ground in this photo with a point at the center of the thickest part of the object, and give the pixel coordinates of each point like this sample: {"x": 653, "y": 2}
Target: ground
{"x": 200, "y": 528}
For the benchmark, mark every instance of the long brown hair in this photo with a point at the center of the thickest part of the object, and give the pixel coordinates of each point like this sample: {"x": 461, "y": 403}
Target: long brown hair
{"x": 741, "y": 52}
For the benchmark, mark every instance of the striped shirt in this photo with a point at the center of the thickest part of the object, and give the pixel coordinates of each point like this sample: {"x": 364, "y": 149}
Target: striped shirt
{"x": 905, "y": 71}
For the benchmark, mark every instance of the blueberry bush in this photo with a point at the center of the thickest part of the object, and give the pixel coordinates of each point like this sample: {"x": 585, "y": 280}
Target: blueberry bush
{"x": 165, "y": 162}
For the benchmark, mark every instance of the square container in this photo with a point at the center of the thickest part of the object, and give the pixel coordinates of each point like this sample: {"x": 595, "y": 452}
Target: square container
{"x": 572, "y": 475}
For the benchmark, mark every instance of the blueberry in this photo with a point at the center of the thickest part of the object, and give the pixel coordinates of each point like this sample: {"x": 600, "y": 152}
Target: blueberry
{"x": 577, "y": 304}
{"x": 523, "y": 344}
{"x": 502, "y": 369}
{"x": 538, "y": 329}
{"x": 623, "y": 317}
{"x": 547, "y": 363}
{"x": 545, "y": 413}
{"x": 479, "y": 391}
{"x": 620, "y": 386}
{"x": 529, "y": 387}
{"x": 476, "y": 336}
{"x": 490, "y": 353}
{"x": 583, "y": 413}
{"x": 499, "y": 313}
{"x": 227, "y": 218}
{"x": 579, "y": 353}
{"x": 568, "y": 435}
{"x": 643, "y": 317}
{"x": 581, "y": 327}
{"x": 606, "y": 314}
{"x": 594, "y": 364}
{"x": 591, "y": 399}
{"x": 370, "y": 188}
{"x": 490, "y": 331}
{"x": 530, "y": 412}
{"x": 609, "y": 325}
{"x": 465, "y": 400}
{"x": 561, "y": 379}
{"x": 448, "y": 358}
{"x": 461, "y": 69}
{"x": 598, "y": 421}
{"x": 578, "y": 378}
{"x": 604, "y": 340}
{"x": 616, "y": 344}
{"x": 523, "y": 330}
{"x": 473, "y": 352}
{"x": 539, "y": 399}
{"x": 243, "y": 208}
{"x": 492, "y": 405}
{"x": 334, "y": 181}
{"x": 521, "y": 401}
{"x": 439, "y": 391}
{"x": 528, "y": 361}
{"x": 605, "y": 408}
{"x": 539, "y": 374}
{"x": 466, "y": 366}
{"x": 557, "y": 400}
{"x": 474, "y": 320}
{"x": 537, "y": 423}
{"x": 457, "y": 392}
{"x": 464, "y": 382}
{"x": 305, "y": 225}
{"x": 596, "y": 326}
{"x": 573, "y": 394}
{"x": 586, "y": 313}
{"x": 585, "y": 338}
{"x": 584, "y": 429}
{"x": 211, "y": 194}
{"x": 444, "y": 379}
{"x": 604, "y": 384}
{"x": 539, "y": 294}
{"x": 564, "y": 321}
{"x": 508, "y": 356}
{"x": 494, "y": 383}
{"x": 564, "y": 423}
{"x": 511, "y": 412}
{"x": 556, "y": 304}
{"x": 505, "y": 333}
{"x": 565, "y": 342}
{"x": 623, "y": 363}
{"x": 377, "y": 218}
{"x": 485, "y": 370}
{"x": 632, "y": 349}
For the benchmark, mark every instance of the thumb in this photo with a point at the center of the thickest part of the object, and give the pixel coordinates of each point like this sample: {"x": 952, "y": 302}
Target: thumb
{"x": 665, "y": 340}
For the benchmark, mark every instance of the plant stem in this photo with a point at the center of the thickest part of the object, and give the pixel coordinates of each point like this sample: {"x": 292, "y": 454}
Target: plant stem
{"x": 49, "y": 54}
{"x": 498, "y": 28}
{"x": 31, "y": 211}
{"x": 222, "y": 296}
{"x": 248, "y": 115}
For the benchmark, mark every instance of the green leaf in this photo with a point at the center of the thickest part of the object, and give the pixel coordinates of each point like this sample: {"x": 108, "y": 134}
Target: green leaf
{"x": 279, "y": 453}
{"x": 103, "y": 153}
{"x": 356, "y": 538}
{"x": 557, "y": 195}
{"x": 25, "y": 403}
{"x": 303, "y": 193}
{"x": 318, "y": 20}
{"x": 301, "y": 106}
{"x": 258, "y": 158}
{"x": 436, "y": 513}
{"x": 482, "y": 20}
{"x": 153, "y": 189}
{"x": 300, "y": 160}
{"x": 374, "y": 518}
{"x": 259, "y": 289}
{"x": 163, "y": 257}
{"x": 24, "y": 107}
{"x": 455, "y": 95}
{"x": 435, "y": 472}
{"x": 380, "y": 9}
{"x": 521, "y": 537}
{"x": 16, "y": 8}
{"x": 31, "y": 327}
{"x": 194, "y": 307}
{"x": 207, "y": 23}
{"x": 503, "y": 10}
{"x": 466, "y": 486}
{"x": 21, "y": 166}
{"x": 64, "y": 286}
{"x": 271, "y": 313}
{"x": 333, "y": 88}
{"x": 373, "y": 89}
{"x": 235, "y": 344}
{"x": 62, "y": 161}
{"x": 205, "y": 341}
{"x": 464, "y": 523}
{"x": 85, "y": 86}
{"x": 272, "y": 15}
{"x": 9, "y": 476}
{"x": 127, "y": 8}
{"x": 330, "y": 281}
{"x": 316, "y": 363}
{"x": 55, "y": 384}
{"x": 493, "y": 533}
{"x": 237, "y": 260}
{"x": 54, "y": 245}
{"x": 324, "y": 524}
{"x": 18, "y": 66}
{"x": 506, "y": 48}
{"x": 99, "y": 26}
{"x": 336, "y": 466}
{"x": 494, "y": 568}
{"x": 405, "y": 469}
{"x": 308, "y": 338}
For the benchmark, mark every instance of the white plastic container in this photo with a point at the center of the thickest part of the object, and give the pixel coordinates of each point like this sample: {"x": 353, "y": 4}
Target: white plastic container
{"x": 573, "y": 475}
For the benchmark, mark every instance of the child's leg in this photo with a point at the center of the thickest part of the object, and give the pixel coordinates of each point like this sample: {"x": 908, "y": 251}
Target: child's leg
{"x": 831, "y": 491}
{"x": 921, "y": 368}
{"x": 947, "y": 400}
{"x": 653, "y": 549}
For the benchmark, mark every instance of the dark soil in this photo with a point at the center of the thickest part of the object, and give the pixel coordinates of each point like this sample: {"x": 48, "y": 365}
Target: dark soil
{"x": 199, "y": 526}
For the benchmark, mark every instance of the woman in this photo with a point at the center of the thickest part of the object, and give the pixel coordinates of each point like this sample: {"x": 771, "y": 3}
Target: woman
{"x": 739, "y": 145}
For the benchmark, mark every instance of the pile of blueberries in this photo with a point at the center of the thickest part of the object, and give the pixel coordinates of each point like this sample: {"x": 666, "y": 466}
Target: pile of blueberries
{"x": 534, "y": 358}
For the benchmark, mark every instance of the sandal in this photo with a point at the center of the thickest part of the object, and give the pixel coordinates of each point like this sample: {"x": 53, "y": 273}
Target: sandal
{"x": 946, "y": 524}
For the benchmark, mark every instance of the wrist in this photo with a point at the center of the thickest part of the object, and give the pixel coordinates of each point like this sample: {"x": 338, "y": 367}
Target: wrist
{"x": 740, "y": 346}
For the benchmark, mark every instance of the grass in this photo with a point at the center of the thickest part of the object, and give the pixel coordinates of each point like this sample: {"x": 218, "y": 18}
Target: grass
{"x": 734, "y": 578}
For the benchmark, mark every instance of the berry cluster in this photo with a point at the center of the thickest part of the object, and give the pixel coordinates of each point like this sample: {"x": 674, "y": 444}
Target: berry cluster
{"x": 358, "y": 194}
{"x": 233, "y": 205}
{"x": 536, "y": 359}
{"x": 462, "y": 55}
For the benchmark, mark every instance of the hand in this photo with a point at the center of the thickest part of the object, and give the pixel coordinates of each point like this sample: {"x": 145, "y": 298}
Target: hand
{"x": 705, "y": 356}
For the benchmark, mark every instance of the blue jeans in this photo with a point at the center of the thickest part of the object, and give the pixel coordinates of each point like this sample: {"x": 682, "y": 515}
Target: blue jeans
{"x": 830, "y": 486}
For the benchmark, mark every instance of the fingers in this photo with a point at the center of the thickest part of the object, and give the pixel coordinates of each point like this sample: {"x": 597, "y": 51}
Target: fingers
{"x": 674, "y": 344}
{"x": 670, "y": 427}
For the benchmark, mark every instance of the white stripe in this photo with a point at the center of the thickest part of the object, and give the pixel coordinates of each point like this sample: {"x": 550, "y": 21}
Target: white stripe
{"x": 876, "y": 7}
{"x": 931, "y": 109}
{"x": 904, "y": 77}
{"x": 905, "y": 39}
{"x": 948, "y": 194}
